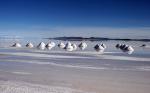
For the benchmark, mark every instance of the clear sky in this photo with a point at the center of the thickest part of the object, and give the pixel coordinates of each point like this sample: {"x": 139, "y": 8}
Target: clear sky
{"x": 50, "y": 18}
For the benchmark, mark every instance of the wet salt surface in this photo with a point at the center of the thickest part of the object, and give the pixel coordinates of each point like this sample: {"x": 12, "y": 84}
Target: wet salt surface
{"x": 56, "y": 71}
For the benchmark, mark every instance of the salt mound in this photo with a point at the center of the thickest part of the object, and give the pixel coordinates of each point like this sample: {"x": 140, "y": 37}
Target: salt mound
{"x": 50, "y": 45}
{"x": 29, "y": 45}
{"x": 61, "y": 45}
{"x": 16, "y": 45}
{"x": 41, "y": 46}
{"x": 82, "y": 45}
{"x": 68, "y": 47}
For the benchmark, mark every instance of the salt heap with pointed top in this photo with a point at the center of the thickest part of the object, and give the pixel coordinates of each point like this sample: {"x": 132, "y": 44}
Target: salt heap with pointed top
{"x": 74, "y": 46}
{"x": 41, "y": 46}
{"x": 29, "y": 45}
{"x": 50, "y": 45}
{"x": 68, "y": 47}
{"x": 100, "y": 47}
{"x": 61, "y": 45}
{"x": 82, "y": 45}
{"x": 18, "y": 45}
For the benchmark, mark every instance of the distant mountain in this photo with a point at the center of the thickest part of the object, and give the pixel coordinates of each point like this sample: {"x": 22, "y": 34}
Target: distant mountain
{"x": 95, "y": 39}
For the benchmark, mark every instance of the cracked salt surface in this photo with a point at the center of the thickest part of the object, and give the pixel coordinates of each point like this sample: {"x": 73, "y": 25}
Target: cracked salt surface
{"x": 23, "y": 87}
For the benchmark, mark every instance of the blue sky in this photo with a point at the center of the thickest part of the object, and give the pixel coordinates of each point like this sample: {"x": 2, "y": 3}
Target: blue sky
{"x": 50, "y": 18}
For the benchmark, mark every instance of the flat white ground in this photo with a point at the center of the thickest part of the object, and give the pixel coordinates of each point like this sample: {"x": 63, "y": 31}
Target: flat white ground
{"x": 34, "y": 71}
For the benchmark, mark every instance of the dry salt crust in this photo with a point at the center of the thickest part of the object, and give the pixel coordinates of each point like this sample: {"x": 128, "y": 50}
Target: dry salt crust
{"x": 46, "y": 56}
{"x": 75, "y": 52}
{"x": 21, "y": 73}
{"x": 17, "y": 72}
{"x": 39, "y": 55}
{"x": 93, "y": 56}
{"x": 112, "y": 57}
{"x": 134, "y": 68}
{"x": 23, "y": 87}
{"x": 55, "y": 64}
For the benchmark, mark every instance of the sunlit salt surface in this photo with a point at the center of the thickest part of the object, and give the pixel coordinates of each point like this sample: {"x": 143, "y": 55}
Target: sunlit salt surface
{"x": 21, "y": 73}
{"x": 32, "y": 70}
{"x": 22, "y": 87}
